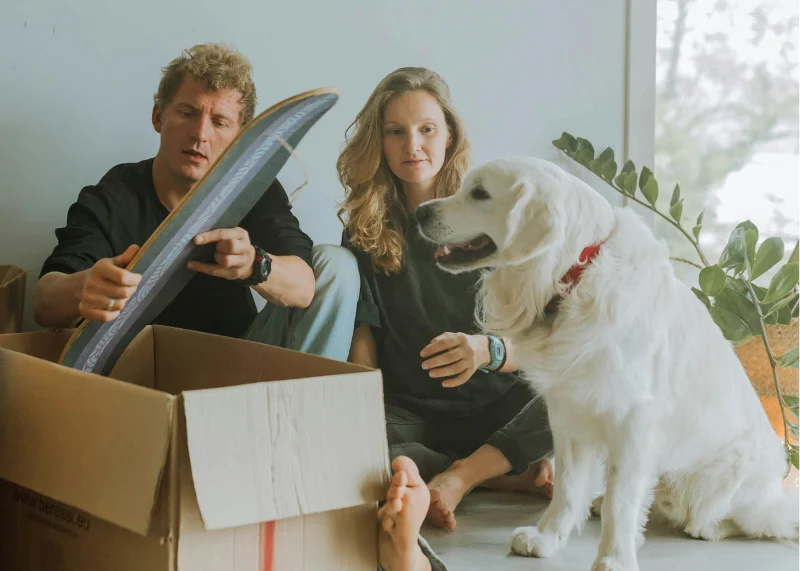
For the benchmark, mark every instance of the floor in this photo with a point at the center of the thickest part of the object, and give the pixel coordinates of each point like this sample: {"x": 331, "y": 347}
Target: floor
{"x": 485, "y": 521}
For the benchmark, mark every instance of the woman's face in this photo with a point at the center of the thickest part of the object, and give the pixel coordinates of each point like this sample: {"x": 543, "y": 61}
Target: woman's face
{"x": 415, "y": 138}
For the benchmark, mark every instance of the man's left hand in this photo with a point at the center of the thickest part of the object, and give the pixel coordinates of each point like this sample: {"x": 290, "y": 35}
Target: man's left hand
{"x": 234, "y": 255}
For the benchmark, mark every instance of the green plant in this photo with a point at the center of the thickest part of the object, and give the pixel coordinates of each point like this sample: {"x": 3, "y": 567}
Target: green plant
{"x": 741, "y": 308}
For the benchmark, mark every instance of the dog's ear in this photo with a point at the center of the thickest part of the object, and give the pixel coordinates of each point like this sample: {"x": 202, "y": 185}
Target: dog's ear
{"x": 530, "y": 225}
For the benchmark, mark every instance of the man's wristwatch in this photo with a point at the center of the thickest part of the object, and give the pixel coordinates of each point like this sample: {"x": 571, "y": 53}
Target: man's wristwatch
{"x": 497, "y": 352}
{"x": 262, "y": 264}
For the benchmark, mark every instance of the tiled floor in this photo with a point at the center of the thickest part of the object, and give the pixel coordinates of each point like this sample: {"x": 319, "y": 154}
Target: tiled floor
{"x": 486, "y": 520}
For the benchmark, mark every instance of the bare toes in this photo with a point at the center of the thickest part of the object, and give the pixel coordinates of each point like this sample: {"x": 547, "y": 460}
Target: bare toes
{"x": 439, "y": 514}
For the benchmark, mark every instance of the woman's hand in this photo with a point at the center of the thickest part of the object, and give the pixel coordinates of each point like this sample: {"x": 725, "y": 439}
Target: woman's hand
{"x": 457, "y": 355}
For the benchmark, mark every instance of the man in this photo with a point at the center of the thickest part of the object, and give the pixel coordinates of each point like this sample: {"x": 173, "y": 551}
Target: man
{"x": 204, "y": 98}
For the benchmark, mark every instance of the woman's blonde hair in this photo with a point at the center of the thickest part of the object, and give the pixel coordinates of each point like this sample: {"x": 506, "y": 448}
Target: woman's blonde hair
{"x": 376, "y": 213}
{"x": 216, "y": 65}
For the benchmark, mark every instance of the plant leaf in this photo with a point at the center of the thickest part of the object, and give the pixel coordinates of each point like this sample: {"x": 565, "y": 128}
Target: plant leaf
{"x": 731, "y": 325}
{"x": 794, "y": 456}
{"x": 676, "y": 210}
{"x": 650, "y": 190}
{"x": 698, "y": 225}
{"x": 770, "y": 308}
{"x": 584, "y": 156}
{"x": 607, "y": 155}
{"x": 702, "y": 297}
{"x": 782, "y": 282}
{"x": 712, "y": 280}
{"x": 793, "y": 257}
{"x": 628, "y": 167}
{"x": 748, "y": 225}
{"x": 584, "y": 144}
{"x": 734, "y": 251}
{"x": 784, "y": 315}
{"x": 740, "y": 305}
{"x": 648, "y": 185}
{"x": 644, "y": 177}
{"x": 596, "y": 165}
{"x": 750, "y": 238}
{"x": 630, "y": 183}
{"x": 739, "y": 285}
{"x": 676, "y": 195}
{"x": 609, "y": 170}
{"x": 769, "y": 253}
{"x": 789, "y": 359}
{"x": 566, "y": 142}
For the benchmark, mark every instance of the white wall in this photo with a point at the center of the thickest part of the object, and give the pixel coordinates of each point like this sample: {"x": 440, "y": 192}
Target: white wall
{"x": 77, "y": 80}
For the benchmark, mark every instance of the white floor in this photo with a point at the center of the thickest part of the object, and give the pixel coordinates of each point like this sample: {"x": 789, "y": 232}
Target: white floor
{"x": 485, "y": 521}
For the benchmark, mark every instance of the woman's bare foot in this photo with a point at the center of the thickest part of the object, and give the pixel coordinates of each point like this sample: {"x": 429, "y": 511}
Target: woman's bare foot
{"x": 537, "y": 479}
{"x": 447, "y": 490}
{"x": 450, "y": 487}
{"x": 401, "y": 518}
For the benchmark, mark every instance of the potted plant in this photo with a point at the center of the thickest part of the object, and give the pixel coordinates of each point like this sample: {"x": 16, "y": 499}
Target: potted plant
{"x": 745, "y": 311}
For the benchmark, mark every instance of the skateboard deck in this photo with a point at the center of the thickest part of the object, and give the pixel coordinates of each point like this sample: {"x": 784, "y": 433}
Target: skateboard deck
{"x": 221, "y": 199}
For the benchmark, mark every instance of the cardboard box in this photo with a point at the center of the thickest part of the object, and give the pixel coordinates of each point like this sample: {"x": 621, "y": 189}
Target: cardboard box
{"x": 12, "y": 298}
{"x": 200, "y": 453}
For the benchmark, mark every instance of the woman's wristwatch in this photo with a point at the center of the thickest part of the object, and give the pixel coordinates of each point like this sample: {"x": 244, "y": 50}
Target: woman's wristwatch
{"x": 497, "y": 352}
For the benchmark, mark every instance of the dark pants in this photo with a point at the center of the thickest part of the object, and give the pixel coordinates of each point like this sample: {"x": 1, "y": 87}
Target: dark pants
{"x": 516, "y": 424}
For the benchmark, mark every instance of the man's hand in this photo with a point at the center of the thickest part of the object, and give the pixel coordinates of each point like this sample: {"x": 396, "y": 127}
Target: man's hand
{"x": 457, "y": 354}
{"x": 108, "y": 286}
{"x": 234, "y": 256}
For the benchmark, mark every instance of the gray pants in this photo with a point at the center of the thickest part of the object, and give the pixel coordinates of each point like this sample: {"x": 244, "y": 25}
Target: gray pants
{"x": 516, "y": 424}
{"x": 326, "y": 326}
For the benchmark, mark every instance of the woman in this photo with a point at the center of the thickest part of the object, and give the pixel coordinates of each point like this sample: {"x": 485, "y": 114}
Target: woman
{"x": 453, "y": 406}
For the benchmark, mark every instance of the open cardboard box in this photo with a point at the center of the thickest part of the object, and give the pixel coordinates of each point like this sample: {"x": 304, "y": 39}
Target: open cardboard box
{"x": 12, "y": 298}
{"x": 199, "y": 453}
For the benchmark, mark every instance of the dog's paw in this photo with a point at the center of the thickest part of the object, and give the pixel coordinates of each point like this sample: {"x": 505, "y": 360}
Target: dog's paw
{"x": 597, "y": 506}
{"x": 531, "y": 542}
{"x": 613, "y": 564}
{"x": 712, "y": 532}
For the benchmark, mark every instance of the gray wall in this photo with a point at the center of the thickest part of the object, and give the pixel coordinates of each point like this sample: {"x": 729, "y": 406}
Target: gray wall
{"x": 77, "y": 81}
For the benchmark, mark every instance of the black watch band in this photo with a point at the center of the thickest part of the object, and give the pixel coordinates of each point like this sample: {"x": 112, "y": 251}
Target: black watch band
{"x": 262, "y": 264}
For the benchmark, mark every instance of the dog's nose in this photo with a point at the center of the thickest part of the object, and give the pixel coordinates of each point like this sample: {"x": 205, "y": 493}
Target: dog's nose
{"x": 424, "y": 213}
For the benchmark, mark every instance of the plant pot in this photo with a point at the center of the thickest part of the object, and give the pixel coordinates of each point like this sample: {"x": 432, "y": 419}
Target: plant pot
{"x": 753, "y": 357}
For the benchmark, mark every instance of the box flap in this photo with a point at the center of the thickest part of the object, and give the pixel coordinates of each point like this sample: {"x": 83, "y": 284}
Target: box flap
{"x": 94, "y": 443}
{"x": 137, "y": 363}
{"x": 273, "y": 450}
{"x": 9, "y": 274}
{"x": 218, "y": 361}
{"x": 45, "y": 345}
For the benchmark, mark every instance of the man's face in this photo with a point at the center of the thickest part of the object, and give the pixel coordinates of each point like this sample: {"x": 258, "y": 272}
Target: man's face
{"x": 196, "y": 126}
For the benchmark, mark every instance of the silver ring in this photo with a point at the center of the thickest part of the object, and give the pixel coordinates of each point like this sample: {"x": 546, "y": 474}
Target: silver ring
{"x": 111, "y": 302}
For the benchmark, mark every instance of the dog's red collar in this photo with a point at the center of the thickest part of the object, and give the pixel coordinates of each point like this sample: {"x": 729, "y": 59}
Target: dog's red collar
{"x": 574, "y": 274}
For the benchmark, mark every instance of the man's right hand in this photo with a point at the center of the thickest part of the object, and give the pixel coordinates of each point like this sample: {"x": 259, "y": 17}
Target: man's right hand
{"x": 108, "y": 286}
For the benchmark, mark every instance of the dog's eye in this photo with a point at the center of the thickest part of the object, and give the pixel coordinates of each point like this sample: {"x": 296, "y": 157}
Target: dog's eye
{"x": 479, "y": 193}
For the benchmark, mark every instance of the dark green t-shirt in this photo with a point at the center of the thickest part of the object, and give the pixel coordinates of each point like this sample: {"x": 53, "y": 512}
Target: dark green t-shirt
{"x": 409, "y": 309}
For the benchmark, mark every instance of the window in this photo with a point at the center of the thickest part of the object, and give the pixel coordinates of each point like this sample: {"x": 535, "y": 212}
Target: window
{"x": 727, "y": 119}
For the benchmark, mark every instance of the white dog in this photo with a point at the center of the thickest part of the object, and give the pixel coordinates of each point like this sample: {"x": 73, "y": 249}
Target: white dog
{"x": 632, "y": 368}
